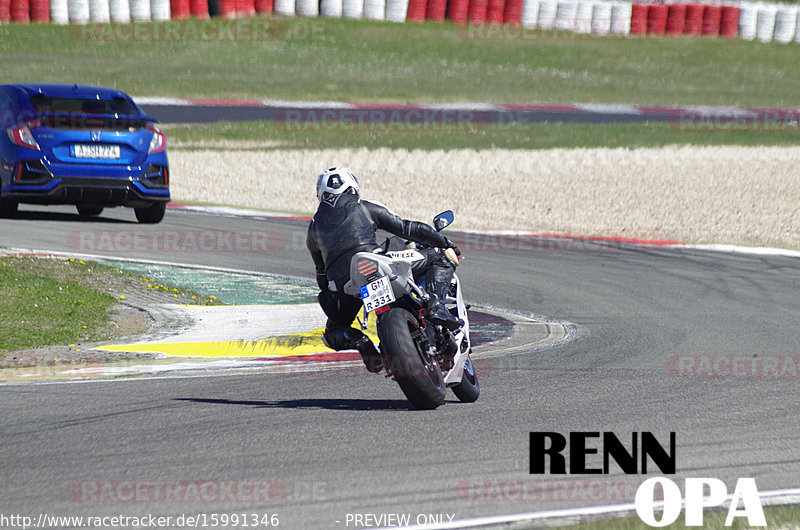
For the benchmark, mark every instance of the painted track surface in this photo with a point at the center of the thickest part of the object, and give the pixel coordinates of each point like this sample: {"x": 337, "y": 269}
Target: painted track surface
{"x": 349, "y": 444}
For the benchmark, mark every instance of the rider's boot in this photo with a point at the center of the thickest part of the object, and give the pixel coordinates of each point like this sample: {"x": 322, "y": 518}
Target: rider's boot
{"x": 353, "y": 339}
{"x": 369, "y": 354}
{"x": 437, "y": 311}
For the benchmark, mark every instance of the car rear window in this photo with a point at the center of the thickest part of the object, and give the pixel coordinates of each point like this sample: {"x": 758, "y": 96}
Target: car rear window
{"x": 85, "y": 113}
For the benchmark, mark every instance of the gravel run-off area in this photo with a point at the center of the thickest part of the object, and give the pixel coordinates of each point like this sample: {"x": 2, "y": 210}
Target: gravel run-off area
{"x": 737, "y": 195}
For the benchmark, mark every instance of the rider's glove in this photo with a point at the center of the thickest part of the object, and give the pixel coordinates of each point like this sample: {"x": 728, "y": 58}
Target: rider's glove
{"x": 450, "y": 244}
{"x": 322, "y": 281}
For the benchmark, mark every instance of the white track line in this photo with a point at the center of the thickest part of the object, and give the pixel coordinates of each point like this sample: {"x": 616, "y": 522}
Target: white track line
{"x": 232, "y": 211}
{"x": 738, "y": 249}
{"x": 768, "y": 498}
{"x": 603, "y": 108}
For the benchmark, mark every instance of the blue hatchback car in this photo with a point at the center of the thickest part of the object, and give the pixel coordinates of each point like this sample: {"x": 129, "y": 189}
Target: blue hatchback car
{"x": 88, "y": 146}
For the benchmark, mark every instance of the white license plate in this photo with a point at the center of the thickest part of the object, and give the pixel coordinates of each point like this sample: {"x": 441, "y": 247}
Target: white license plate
{"x": 377, "y": 294}
{"x": 95, "y": 151}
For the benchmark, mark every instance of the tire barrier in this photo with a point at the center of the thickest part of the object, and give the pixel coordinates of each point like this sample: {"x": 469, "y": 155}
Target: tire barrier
{"x": 140, "y": 10}
{"x": 765, "y": 22}
{"x": 329, "y": 8}
{"x": 547, "y": 15}
{"x": 639, "y": 14}
{"x": 512, "y": 14}
{"x": 78, "y": 11}
{"x": 59, "y": 12}
{"x": 797, "y": 30}
{"x": 711, "y": 21}
{"x": 566, "y": 12}
{"x": 199, "y": 8}
{"x": 435, "y": 11}
{"x": 693, "y": 25}
{"x": 748, "y": 16}
{"x": 396, "y": 10}
{"x": 530, "y": 13}
{"x": 601, "y": 18}
{"x": 621, "y": 18}
{"x": 159, "y": 10}
{"x": 676, "y": 19}
{"x": 247, "y": 8}
{"x": 747, "y": 20}
{"x": 477, "y": 11}
{"x": 416, "y": 10}
{"x": 305, "y": 8}
{"x": 99, "y": 11}
{"x": 287, "y": 8}
{"x": 40, "y": 11}
{"x": 120, "y": 10}
{"x": 656, "y": 19}
{"x": 785, "y": 24}
{"x": 729, "y": 21}
{"x": 583, "y": 18}
{"x": 494, "y": 11}
{"x": 180, "y": 9}
{"x": 354, "y": 9}
{"x": 457, "y": 11}
{"x": 20, "y": 11}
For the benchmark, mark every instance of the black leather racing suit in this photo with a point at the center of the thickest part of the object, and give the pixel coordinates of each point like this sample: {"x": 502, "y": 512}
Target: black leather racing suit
{"x": 345, "y": 225}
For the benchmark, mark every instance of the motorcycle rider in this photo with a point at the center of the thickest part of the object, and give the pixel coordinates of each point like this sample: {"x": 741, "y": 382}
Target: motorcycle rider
{"x": 344, "y": 225}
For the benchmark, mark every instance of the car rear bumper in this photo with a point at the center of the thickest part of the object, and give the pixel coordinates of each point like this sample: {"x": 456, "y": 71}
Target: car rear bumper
{"x": 33, "y": 183}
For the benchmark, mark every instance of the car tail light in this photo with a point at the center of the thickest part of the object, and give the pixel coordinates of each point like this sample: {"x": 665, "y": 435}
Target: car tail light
{"x": 159, "y": 142}
{"x": 22, "y": 136}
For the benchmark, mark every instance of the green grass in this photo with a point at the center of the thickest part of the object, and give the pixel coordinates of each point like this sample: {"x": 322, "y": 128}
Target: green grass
{"x": 787, "y": 517}
{"x": 369, "y": 61}
{"x": 518, "y": 136}
{"x": 58, "y": 301}
{"x": 36, "y": 310}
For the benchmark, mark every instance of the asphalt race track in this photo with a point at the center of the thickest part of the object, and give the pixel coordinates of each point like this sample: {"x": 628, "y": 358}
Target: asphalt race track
{"x": 336, "y": 445}
{"x": 237, "y": 112}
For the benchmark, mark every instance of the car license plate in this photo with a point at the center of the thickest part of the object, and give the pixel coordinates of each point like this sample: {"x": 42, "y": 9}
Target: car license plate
{"x": 95, "y": 151}
{"x": 377, "y": 294}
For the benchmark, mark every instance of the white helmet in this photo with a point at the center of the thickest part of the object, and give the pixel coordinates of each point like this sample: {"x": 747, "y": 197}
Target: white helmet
{"x": 335, "y": 181}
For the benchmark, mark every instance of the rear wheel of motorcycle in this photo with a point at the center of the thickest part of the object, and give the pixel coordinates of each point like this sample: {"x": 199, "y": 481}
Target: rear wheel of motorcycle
{"x": 469, "y": 388}
{"x": 419, "y": 376}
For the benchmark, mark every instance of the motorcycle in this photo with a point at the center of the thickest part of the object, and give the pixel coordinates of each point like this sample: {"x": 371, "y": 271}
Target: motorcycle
{"x": 425, "y": 359}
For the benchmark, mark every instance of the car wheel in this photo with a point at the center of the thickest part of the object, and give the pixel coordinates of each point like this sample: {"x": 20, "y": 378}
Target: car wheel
{"x": 8, "y": 208}
{"x": 151, "y": 214}
{"x": 86, "y": 210}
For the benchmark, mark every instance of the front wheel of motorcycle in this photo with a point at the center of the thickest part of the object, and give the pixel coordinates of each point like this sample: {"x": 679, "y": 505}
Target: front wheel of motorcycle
{"x": 419, "y": 375}
{"x": 469, "y": 388}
